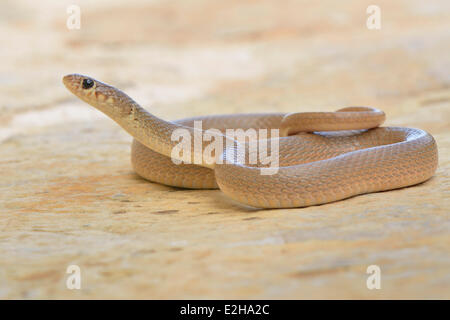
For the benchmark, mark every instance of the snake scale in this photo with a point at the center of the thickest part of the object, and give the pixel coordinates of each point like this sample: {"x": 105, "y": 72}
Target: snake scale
{"x": 323, "y": 156}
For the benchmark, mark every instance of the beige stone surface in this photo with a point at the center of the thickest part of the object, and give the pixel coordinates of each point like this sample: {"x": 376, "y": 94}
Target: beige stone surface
{"x": 68, "y": 194}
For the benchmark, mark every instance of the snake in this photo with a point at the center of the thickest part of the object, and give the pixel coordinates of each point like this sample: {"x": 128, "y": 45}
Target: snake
{"x": 322, "y": 156}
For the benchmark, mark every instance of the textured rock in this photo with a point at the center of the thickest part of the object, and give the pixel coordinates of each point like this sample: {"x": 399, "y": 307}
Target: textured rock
{"x": 68, "y": 194}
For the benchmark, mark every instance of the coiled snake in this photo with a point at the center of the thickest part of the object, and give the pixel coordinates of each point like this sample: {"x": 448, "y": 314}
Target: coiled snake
{"x": 315, "y": 166}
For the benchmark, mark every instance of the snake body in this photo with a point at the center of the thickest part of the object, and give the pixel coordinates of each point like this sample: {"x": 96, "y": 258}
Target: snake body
{"x": 315, "y": 166}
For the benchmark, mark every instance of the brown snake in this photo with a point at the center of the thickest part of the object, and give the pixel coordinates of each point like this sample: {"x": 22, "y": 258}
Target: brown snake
{"x": 314, "y": 168}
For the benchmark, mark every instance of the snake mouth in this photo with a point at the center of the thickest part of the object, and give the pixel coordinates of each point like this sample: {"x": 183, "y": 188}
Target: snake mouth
{"x": 88, "y": 89}
{"x": 73, "y": 82}
{"x": 102, "y": 96}
{"x": 83, "y": 87}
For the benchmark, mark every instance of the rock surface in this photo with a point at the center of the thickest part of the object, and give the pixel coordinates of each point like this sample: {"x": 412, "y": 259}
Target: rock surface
{"x": 68, "y": 195}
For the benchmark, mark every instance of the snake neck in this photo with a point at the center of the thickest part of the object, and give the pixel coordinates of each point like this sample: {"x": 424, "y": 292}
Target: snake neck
{"x": 164, "y": 137}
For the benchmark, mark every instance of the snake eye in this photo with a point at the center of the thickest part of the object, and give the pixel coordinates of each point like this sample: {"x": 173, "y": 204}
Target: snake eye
{"x": 87, "y": 83}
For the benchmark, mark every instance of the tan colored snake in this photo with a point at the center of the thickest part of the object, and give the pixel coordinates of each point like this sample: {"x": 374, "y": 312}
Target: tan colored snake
{"x": 314, "y": 168}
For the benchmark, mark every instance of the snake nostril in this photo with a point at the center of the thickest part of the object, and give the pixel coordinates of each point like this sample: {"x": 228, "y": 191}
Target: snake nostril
{"x": 87, "y": 83}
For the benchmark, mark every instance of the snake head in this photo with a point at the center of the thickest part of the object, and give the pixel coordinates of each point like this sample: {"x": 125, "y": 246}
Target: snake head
{"x": 102, "y": 96}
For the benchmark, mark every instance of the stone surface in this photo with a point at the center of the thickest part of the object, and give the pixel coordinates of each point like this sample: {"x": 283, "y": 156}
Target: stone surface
{"x": 68, "y": 194}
